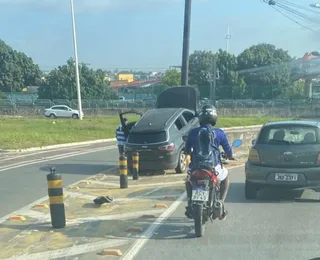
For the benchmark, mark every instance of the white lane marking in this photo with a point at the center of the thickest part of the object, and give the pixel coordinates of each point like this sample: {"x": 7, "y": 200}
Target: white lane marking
{"x": 41, "y": 152}
{"x": 139, "y": 185}
{"x": 72, "y": 251}
{"x": 139, "y": 244}
{"x": 52, "y": 158}
{"x": 116, "y": 216}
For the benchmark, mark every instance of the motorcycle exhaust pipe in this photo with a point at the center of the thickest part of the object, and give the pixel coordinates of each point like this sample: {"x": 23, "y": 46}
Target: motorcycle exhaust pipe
{"x": 218, "y": 208}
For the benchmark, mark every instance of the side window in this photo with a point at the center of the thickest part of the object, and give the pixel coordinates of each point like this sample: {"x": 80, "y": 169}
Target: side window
{"x": 187, "y": 116}
{"x": 179, "y": 123}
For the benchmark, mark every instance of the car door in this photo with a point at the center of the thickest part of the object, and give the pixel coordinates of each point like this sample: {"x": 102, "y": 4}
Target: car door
{"x": 180, "y": 129}
{"x": 58, "y": 111}
{"x": 190, "y": 119}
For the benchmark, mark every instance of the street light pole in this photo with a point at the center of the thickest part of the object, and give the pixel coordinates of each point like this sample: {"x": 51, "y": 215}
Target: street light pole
{"x": 186, "y": 43}
{"x": 76, "y": 60}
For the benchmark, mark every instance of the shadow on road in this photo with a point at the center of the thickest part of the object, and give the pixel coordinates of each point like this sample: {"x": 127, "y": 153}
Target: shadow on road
{"x": 84, "y": 169}
{"x": 172, "y": 228}
{"x": 269, "y": 195}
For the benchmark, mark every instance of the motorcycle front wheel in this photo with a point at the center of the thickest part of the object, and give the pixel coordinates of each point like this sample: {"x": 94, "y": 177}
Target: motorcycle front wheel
{"x": 199, "y": 226}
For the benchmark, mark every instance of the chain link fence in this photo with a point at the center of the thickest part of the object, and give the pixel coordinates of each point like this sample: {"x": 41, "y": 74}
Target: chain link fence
{"x": 226, "y": 107}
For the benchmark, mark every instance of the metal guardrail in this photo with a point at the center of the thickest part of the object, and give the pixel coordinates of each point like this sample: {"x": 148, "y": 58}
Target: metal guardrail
{"x": 147, "y": 104}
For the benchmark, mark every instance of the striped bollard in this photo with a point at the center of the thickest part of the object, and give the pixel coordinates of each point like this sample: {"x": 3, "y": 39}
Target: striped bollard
{"x": 123, "y": 165}
{"x": 55, "y": 192}
{"x": 135, "y": 166}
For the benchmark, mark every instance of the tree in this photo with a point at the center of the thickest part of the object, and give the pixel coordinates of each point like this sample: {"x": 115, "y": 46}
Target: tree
{"x": 295, "y": 91}
{"x": 172, "y": 78}
{"x": 61, "y": 84}
{"x": 17, "y": 70}
{"x": 229, "y": 83}
{"x": 265, "y": 69}
{"x": 199, "y": 67}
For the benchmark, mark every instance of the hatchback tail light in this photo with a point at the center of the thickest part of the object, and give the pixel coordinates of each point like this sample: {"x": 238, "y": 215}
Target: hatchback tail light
{"x": 169, "y": 147}
{"x": 254, "y": 156}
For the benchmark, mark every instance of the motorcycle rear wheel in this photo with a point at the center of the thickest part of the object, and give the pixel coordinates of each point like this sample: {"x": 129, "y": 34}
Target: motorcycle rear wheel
{"x": 199, "y": 226}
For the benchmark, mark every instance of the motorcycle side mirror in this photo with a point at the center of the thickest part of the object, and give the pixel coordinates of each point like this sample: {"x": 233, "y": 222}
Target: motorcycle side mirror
{"x": 237, "y": 143}
{"x": 185, "y": 138}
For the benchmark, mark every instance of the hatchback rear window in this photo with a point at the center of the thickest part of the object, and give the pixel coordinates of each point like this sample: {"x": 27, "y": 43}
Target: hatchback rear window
{"x": 147, "y": 138}
{"x": 294, "y": 134}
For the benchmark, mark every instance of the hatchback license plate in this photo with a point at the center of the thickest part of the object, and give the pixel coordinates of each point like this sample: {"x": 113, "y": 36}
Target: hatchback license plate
{"x": 200, "y": 195}
{"x": 286, "y": 177}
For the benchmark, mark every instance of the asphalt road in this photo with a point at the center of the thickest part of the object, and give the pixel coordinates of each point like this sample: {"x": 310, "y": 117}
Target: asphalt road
{"x": 264, "y": 229}
{"x": 23, "y": 176}
{"x": 254, "y": 230}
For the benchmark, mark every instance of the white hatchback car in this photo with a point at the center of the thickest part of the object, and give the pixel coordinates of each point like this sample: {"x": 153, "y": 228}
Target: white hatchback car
{"x": 61, "y": 111}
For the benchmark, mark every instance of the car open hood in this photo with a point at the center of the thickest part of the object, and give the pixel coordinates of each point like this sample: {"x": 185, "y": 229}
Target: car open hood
{"x": 179, "y": 97}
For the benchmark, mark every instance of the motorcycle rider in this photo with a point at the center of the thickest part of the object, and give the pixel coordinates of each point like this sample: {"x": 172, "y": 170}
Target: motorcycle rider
{"x": 208, "y": 118}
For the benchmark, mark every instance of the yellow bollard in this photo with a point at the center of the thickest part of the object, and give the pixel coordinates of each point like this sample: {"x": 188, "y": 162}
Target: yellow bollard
{"x": 135, "y": 166}
{"x": 123, "y": 165}
{"x": 55, "y": 192}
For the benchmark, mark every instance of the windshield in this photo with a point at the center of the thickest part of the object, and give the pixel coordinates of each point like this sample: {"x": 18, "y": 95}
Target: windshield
{"x": 297, "y": 135}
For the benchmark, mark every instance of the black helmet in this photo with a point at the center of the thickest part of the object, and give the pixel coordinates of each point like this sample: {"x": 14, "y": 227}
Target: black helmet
{"x": 208, "y": 115}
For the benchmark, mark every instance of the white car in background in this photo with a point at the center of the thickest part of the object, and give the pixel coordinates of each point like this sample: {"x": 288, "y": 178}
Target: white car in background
{"x": 61, "y": 111}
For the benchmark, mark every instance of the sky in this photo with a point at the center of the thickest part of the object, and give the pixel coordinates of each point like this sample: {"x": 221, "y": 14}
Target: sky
{"x": 144, "y": 34}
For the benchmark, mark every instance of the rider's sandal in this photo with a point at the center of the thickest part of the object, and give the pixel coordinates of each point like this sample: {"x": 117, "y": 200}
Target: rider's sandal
{"x": 224, "y": 215}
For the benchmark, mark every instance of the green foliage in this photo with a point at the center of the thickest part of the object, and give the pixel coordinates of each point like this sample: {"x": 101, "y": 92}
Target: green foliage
{"x": 61, "y": 83}
{"x": 261, "y": 71}
{"x": 17, "y": 70}
{"x": 265, "y": 65}
{"x": 172, "y": 78}
{"x": 295, "y": 91}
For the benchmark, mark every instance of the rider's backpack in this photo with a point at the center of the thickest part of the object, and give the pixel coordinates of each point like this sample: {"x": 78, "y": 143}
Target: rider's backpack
{"x": 206, "y": 153}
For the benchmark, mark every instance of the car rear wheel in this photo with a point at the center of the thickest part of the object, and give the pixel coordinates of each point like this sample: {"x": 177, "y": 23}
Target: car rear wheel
{"x": 251, "y": 192}
{"x": 182, "y": 164}
{"x": 75, "y": 116}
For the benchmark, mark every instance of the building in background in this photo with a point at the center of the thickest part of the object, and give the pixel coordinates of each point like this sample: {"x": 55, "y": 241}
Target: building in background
{"x": 129, "y": 77}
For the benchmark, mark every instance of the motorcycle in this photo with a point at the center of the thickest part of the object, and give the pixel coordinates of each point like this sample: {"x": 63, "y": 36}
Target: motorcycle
{"x": 206, "y": 203}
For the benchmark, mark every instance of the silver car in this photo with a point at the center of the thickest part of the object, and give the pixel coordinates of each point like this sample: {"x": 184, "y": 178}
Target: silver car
{"x": 60, "y": 111}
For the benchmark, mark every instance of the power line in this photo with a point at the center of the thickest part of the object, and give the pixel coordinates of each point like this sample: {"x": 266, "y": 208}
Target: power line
{"x": 287, "y": 16}
{"x": 292, "y": 14}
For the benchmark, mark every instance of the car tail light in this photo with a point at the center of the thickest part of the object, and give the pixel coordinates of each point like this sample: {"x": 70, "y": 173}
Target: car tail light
{"x": 169, "y": 147}
{"x": 318, "y": 159}
{"x": 254, "y": 156}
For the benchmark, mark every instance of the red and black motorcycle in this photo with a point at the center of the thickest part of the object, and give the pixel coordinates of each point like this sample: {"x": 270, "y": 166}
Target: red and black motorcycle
{"x": 205, "y": 199}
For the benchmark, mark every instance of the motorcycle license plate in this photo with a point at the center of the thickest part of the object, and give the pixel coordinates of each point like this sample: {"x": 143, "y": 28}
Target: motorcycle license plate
{"x": 200, "y": 195}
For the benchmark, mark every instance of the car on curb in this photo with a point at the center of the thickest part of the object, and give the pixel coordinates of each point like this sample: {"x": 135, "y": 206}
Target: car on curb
{"x": 61, "y": 111}
{"x": 285, "y": 154}
{"x": 157, "y": 135}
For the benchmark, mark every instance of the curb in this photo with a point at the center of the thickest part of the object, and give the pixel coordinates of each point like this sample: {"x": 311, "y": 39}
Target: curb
{"x": 50, "y": 147}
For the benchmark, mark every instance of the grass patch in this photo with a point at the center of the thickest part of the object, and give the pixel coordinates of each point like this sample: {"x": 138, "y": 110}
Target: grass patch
{"x": 19, "y": 133}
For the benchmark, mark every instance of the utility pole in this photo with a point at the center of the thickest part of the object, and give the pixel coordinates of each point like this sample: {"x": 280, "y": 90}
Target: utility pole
{"x": 214, "y": 65}
{"x": 186, "y": 43}
{"x": 228, "y": 36}
{"x": 212, "y": 76}
{"x": 76, "y": 60}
